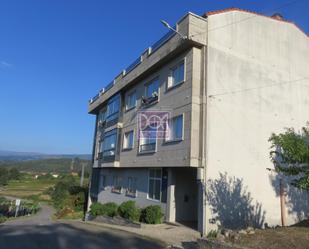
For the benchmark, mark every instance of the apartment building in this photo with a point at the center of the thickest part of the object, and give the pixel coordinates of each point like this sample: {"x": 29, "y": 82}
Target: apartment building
{"x": 224, "y": 82}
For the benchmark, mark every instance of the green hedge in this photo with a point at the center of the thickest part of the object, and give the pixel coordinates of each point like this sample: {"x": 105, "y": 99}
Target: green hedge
{"x": 109, "y": 209}
{"x": 129, "y": 210}
{"x": 151, "y": 215}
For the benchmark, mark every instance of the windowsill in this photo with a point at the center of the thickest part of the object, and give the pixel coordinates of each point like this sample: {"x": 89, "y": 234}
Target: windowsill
{"x": 173, "y": 141}
{"x": 116, "y": 191}
{"x": 154, "y": 200}
{"x": 147, "y": 152}
{"x": 127, "y": 149}
{"x": 150, "y": 104}
{"x": 175, "y": 86}
{"x": 132, "y": 195}
{"x": 130, "y": 108}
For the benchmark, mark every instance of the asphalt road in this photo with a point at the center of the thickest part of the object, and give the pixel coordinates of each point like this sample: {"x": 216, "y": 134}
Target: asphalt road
{"x": 40, "y": 232}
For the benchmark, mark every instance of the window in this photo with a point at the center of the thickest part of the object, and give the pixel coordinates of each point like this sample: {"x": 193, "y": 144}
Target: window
{"x": 113, "y": 108}
{"x": 131, "y": 190}
{"x": 175, "y": 129}
{"x": 154, "y": 190}
{"x": 117, "y": 184}
{"x": 102, "y": 182}
{"x": 108, "y": 147}
{"x": 148, "y": 140}
{"x": 131, "y": 100}
{"x": 128, "y": 140}
{"x": 102, "y": 116}
{"x": 177, "y": 75}
{"x": 152, "y": 88}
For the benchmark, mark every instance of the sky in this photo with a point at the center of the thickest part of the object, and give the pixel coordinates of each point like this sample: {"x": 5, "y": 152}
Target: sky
{"x": 56, "y": 54}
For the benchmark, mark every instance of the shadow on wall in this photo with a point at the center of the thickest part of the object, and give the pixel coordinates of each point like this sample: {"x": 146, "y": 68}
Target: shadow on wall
{"x": 297, "y": 200}
{"x": 231, "y": 204}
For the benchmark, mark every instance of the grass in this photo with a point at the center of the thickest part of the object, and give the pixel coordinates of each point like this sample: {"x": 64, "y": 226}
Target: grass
{"x": 27, "y": 187}
{"x": 296, "y": 237}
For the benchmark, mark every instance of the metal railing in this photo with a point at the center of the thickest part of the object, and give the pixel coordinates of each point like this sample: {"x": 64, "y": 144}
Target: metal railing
{"x": 147, "y": 147}
{"x": 138, "y": 61}
{"x": 133, "y": 65}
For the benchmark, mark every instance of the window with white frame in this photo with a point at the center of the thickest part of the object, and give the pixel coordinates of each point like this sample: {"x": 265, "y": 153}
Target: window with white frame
{"x": 109, "y": 145}
{"x": 176, "y": 75}
{"x": 152, "y": 88}
{"x": 131, "y": 100}
{"x": 131, "y": 190}
{"x": 175, "y": 127}
{"x": 148, "y": 139}
{"x": 128, "y": 140}
{"x": 155, "y": 179}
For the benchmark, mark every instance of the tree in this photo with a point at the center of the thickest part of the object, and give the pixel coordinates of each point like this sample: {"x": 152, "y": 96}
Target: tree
{"x": 4, "y": 176}
{"x": 290, "y": 155}
{"x": 14, "y": 174}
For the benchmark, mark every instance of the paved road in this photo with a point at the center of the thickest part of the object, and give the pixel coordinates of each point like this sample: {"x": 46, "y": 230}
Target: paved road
{"x": 40, "y": 232}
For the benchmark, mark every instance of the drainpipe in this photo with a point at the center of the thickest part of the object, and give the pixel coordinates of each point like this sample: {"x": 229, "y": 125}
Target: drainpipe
{"x": 282, "y": 203}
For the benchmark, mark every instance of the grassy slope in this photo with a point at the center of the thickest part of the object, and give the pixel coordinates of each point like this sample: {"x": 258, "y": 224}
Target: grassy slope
{"x": 61, "y": 165}
{"x": 26, "y": 187}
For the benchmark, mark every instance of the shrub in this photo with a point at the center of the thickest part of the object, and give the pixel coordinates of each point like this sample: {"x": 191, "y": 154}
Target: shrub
{"x": 2, "y": 218}
{"x": 128, "y": 210}
{"x": 109, "y": 209}
{"x": 96, "y": 209}
{"x": 152, "y": 215}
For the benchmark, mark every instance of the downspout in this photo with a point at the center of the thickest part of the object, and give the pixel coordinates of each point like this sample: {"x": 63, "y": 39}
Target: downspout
{"x": 204, "y": 137}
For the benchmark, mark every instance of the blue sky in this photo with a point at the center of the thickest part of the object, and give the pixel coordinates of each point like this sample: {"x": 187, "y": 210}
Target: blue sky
{"x": 55, "y": 55}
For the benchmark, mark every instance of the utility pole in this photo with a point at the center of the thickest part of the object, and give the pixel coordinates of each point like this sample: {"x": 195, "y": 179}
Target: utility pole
{"x": 82, "y": 174}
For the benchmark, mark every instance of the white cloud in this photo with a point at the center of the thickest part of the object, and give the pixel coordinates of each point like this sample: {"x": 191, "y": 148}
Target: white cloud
{"x": 5, "y": 64}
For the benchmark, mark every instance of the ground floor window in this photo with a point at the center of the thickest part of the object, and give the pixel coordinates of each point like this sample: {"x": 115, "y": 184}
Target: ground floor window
{"x": 117, "y": 184}
{"x": 131, "y": 190}
{"x": 102, "y": 182}
{"x": 154, "y": 189}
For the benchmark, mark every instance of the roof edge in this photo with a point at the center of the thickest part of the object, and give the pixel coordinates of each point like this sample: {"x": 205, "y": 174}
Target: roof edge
{"x": 205, "y": 15}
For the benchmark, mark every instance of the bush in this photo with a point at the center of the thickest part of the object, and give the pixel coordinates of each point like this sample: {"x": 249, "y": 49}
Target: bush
{"x": 152, "y": 215}
{"x": 2, "y": 218}
{"x": 128, "y": 210}
{"x": 109, "y": 209}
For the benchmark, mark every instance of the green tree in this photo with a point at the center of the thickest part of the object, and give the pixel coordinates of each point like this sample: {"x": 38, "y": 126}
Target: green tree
{"x": 4, "y": 176}
{"x": 14, "y": 174}
{"x": 290, "y": 155}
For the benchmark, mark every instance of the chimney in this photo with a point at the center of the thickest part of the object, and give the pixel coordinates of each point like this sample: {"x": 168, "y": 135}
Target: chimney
{"x": 277, "y": 16}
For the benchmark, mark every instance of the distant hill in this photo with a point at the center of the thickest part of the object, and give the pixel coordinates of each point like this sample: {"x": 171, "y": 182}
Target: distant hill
{"x": 57, "y": 165}
{"x": 25, "y": 156}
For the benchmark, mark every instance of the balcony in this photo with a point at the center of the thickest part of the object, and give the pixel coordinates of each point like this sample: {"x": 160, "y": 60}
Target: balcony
{"x": 145, "y": 148}
{"x": 150, "y": 100}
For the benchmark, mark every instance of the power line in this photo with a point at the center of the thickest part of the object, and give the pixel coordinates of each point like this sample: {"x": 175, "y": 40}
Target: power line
{"x": 247, "y": 18}
{"x": 255, "y": 88}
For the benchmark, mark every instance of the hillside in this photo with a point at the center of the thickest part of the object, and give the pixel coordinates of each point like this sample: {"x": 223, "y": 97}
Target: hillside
{"x": 59, "y": 165}
{"x": 23, "y": 156}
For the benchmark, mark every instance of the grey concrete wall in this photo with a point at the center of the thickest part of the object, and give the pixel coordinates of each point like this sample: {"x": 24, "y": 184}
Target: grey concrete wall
{"x": 142, "y": 187}
{"x": 257, "y": 84}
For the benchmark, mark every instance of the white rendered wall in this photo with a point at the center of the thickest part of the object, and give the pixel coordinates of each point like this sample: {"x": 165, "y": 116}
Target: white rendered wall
{"x": 256, "y": 86}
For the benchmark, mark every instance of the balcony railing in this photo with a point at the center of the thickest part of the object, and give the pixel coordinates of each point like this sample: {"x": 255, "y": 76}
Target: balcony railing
{"x": 147, "y": 147}
{"x": 150, "y": 100}
{"x": 133, "y": 65}
{"x": 163, "y": 40}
